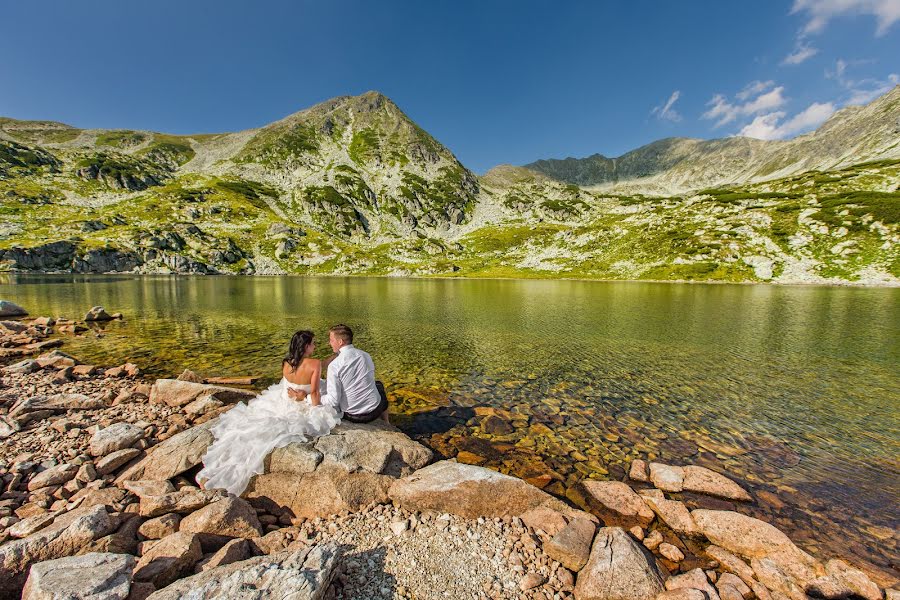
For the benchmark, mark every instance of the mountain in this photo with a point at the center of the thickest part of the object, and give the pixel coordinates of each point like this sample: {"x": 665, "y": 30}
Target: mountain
{"x": 674, "y": 165}
{"x": 353, "y": 186}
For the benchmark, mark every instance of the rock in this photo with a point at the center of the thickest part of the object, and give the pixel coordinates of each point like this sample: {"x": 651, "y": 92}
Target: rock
{"x": 143, "y": 488}
{"x": 531, "y": 581}
{"x": 188, "y": 375}
{"x": 26, "y": 366}
{"x": 682, "y": 594}
{"x": 64, "y": 537}
{"x": 653, "y": 540}
{"x": 704, "y": 481}
{"x": 122, "y": 541}
{"x": 111, "y": 462}
{"x": 115, "y": 437}
{"x": 347, "y": 469}
{"x": 304, "y": 574}
{"x": 97, "y": 313}
{"x": 730, "y": 580}
{"x": 57, "y": 403}
{"x": 494, "y": 425}
{"x": 97, "y": 576}
{"x": 11, "y": 309}
{"x": 57, "y": 475}
{"x": 183, "y": 501}
{"x": 400, "y": 527}
{"x": 571, "y": 547}
{"x": 613, "y": 501}
{"x": 233, "y": 551}
{"x": 778, "y": 579}
{"x": 731, "y": 563}
{"x": 229, "y": 516}
{"x": 674, "y": 514}
{"x": 546, "y": 519}
{"x": 27, "y": 526}
{"x": 639, "y": 471}
{"x": 271, "y": 543}
{"x": 169, "y": 559}
{"x": 843, "y": 581}
{"x": 160, "y": 527}
{"x": 172, "y": 457}
{"x": 202, "y": 405}
{"x": 469, "y": 491}
{"x": 670, "y": 552}
{"x": 667, "y": 478}
{"x": 637, "y": 532}
{"x": 693, "y": 579}
{"x": 749, "y": 537}
{"x": 173, "y": 392}
{"x": 618, "y": 569}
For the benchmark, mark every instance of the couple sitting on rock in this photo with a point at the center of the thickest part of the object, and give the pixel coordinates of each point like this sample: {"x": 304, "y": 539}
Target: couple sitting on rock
{"x": 299, "y": 407}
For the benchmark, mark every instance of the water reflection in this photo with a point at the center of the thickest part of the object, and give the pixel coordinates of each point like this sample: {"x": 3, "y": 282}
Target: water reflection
{"x": 792, "y": 388}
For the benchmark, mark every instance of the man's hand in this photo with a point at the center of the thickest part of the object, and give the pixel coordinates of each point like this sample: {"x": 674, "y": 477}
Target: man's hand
{"x": 297, "y": 394}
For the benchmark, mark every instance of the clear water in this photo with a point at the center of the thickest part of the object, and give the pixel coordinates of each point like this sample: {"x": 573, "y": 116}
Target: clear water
{"x": 793, "y": 390}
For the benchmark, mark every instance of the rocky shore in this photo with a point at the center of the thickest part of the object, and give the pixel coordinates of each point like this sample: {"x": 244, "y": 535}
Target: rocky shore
{"x": 99, "y": 500}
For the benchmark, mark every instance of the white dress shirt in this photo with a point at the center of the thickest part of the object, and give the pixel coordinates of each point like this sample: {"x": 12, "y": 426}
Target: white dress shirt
{"x": 351, "y": 382}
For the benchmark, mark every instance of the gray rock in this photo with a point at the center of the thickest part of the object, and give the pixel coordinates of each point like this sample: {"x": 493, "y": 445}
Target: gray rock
{"x": 168, "y": 559}
{"x": 174, "y": 456}
{"x": 304, "y": 574}
{"x": 11, "y": 309}
{"x": 97, "y": 313}
{"x": 704, "y": 481}
{"x": 117, "y": 436}
{"x": 174, "y": 392}
{"x": 618, "y": 569}
{"x": 183, "y": 501}
{"x": 111, "y": 462}
{"x": 65, "y": 537}
{"x": 94, "y": 576}
{"x": 57, "y": 475}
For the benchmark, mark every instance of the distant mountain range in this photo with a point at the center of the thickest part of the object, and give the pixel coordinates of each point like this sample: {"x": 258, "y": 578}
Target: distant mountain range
{"x": 353, "y": 186}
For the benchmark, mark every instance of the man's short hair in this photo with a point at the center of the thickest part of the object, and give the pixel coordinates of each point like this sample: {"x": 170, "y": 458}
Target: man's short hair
{"x": 342, "y": 332}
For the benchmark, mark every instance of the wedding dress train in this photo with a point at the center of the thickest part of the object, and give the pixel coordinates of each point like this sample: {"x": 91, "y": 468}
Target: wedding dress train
{"x": 247, "y": 433}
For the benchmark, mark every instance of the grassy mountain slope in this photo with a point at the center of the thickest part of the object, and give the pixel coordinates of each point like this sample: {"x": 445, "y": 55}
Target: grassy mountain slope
{"x": 353, "y": 186}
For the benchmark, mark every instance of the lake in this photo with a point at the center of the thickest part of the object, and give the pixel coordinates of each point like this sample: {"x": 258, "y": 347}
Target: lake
{"x": 794, "y": 391}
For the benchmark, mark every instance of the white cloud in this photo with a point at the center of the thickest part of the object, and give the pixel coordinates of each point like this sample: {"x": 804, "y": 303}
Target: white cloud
{"x": 753, "y": 88}
{"x": 802, "y": 52}
{"x": 860, "y": 91}
{"x": 723, "y": 111}
{"x": 667, "y": 112}
{"x": 820, "y": 12}
{"x": 771, "y": 127}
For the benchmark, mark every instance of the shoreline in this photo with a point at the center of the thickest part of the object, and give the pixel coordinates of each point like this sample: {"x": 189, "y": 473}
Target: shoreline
{"x": 801, "y": 284}
{"x": 617, "y": 505}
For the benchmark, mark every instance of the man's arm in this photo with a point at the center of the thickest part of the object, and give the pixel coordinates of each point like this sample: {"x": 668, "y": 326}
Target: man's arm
{"x": 333, "y": 390}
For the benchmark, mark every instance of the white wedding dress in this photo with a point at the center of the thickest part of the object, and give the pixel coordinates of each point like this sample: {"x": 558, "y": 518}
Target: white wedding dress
{"x": 247, "y": 433}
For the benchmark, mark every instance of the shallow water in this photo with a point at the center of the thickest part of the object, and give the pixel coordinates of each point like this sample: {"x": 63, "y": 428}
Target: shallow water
{"x": 793, "y": 390}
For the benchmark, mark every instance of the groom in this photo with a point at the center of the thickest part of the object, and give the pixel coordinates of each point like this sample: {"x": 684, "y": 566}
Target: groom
{"x": 351, "y": 385}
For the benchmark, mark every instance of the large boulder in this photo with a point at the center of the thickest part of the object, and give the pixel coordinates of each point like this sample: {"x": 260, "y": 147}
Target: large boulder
{"x": 11, "y": 309}
{"x": 304, "y": 574}
{"x": 571, "y": 547}
{"x": 704, "y": 481}
{"x": 173, "y": 456}
{"x": 183, "y": 501}
{"x": 347, "y": 469}
{"x": 229, "y": 516}
{"x": 174, "y": 392}
{"x": 65, "y": 537}
{"x": 613, "y": 501}
{"x": 469, "y": 491}
{"x": 57, "y": 475}
{"x": 97, "y": 575}
{"x": 97, "y": 313}
{"x": 618, "y": 569}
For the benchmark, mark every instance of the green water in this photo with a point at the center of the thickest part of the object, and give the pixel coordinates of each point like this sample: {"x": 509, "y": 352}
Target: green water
{"x": 794, "y": 390}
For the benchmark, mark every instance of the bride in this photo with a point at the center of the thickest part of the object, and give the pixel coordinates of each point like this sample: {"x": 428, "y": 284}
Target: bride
{"x": 247, "y": 433}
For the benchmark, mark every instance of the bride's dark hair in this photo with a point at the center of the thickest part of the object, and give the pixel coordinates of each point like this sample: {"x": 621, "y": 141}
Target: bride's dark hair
{"x": 299, "y": 343}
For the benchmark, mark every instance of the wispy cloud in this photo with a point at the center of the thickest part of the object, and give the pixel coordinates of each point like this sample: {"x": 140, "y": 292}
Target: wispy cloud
{"x": 802, "y": 52}
{"x": 772, "y": 126}
{"x": 667, "y": 112}
{"x": 820, "y": 12}
{"x": 860, "y": 91}
{"x": 753, "y": 99}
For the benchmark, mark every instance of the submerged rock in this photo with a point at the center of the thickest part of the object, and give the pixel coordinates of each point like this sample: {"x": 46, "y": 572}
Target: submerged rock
{"x": 11, "y": 309}
{"x": 613, "y": 501}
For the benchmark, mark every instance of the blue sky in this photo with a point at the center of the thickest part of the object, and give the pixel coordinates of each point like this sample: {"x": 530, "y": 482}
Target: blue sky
{"x": 495, "y": 81}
